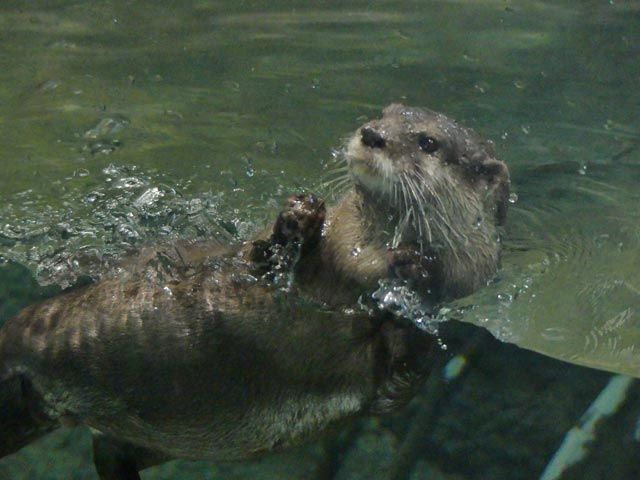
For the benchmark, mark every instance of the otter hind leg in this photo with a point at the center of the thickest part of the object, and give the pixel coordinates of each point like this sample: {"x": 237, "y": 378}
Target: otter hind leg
{"x": 119, "y": 460}
{"x": 22, "y": 418}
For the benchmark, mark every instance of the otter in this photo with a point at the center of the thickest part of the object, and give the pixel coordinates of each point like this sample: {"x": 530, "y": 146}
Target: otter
{"x": 262, "y": 346}
{"x": 427, "y": 196}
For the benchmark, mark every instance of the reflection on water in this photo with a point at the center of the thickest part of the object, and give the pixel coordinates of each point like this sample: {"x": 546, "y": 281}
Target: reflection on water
{"x": 124, "y": 122}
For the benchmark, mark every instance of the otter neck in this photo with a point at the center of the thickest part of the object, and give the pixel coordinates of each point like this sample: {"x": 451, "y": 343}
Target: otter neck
{"x": 394, "y": 223}
{"x": 376, "y": 225}
{"x": 384, "y": 221}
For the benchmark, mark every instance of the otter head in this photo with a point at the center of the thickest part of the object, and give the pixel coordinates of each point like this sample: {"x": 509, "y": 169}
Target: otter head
{"x": 425, "y": 179}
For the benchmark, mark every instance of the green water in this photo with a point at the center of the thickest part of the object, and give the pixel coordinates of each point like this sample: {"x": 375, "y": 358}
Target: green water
{"x": 219, "y": 110}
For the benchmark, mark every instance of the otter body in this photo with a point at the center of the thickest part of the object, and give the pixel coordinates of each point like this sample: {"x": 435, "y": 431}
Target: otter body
{"x": 208, "y": 367}
{"x": 220, "y": 361}
{"x": 423, "y": 185}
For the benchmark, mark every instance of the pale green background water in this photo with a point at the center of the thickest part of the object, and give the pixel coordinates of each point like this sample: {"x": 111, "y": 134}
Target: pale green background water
{"x": 224, "y": 108}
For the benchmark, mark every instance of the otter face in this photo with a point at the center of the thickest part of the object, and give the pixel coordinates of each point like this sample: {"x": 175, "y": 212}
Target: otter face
{"x": 420, "y": 161}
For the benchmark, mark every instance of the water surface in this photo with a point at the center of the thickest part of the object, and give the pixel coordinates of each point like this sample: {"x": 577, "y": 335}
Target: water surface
{"x": 124, "y": 122}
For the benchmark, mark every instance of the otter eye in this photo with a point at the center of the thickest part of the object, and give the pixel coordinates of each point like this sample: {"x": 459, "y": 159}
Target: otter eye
{"x": 428, "y": 144}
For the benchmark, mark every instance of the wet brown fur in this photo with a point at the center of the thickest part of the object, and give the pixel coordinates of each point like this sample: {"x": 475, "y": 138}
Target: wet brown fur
{"x": 462, "y": 200}
{"x": 213, "y": 361}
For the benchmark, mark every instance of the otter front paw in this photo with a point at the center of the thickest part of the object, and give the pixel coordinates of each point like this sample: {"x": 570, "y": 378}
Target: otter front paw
{"x": 300, "y": 221}
{"x": 418, "y": 268}
{"x": 296, "y": 231}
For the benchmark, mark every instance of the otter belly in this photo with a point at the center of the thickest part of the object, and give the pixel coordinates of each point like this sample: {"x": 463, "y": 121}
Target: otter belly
{"x": 203, "y": 368}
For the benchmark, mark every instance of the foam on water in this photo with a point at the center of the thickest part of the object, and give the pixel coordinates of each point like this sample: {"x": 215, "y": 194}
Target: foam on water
{"x": 125, "y": 209}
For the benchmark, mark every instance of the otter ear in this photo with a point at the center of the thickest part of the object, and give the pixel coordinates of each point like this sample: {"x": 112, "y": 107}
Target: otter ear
{"x": 497, "y": 175}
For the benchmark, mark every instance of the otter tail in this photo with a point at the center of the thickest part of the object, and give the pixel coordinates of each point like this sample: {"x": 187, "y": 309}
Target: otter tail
{"x": 22, "y": 419}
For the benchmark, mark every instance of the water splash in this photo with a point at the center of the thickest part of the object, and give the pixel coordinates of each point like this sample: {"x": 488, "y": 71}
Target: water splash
{"x": 396, "y": 297}
{"x": 102, "y": 217}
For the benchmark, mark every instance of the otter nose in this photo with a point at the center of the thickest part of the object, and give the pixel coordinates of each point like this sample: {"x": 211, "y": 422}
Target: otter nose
{"x": 372, "y": 138}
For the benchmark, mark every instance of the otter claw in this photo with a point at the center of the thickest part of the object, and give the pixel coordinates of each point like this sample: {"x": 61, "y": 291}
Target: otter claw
{"x": 301, "y": 221}
{"x": 298, "y": 228}
{"x": 420, "y": 269}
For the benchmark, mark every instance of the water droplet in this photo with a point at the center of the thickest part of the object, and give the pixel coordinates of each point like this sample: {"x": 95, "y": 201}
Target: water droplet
{"x": 148, "y": 197}
{"x": 129, "y": 182}
{"x": 583, "y": 169}
{"x": 356, "y": 251}
{"x": 250, "y": 170}
{"x": 111, "y": 170}
{"x": 505, "y": 297}
{"x": 93, "y": 196}
{"x": 513, "y": 197}
{"x": 49, "y": 85}
{"x": 194, "y": 206}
